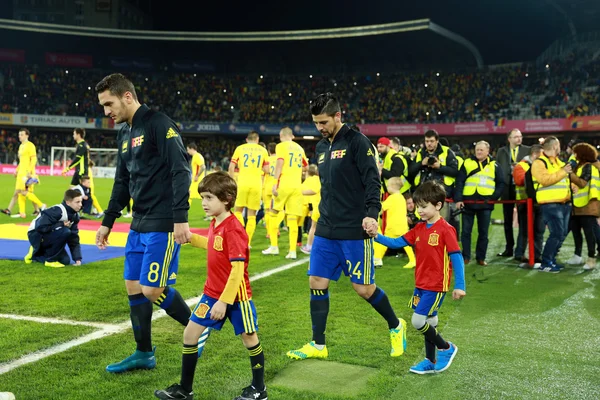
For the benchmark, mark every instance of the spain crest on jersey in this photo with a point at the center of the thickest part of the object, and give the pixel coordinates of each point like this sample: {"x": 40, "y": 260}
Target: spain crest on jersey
{"x": 434, "y": 239}
{"x": 202, "y": 310}
{"x": 218, "y": 243}
{"x": 416, "y": 300}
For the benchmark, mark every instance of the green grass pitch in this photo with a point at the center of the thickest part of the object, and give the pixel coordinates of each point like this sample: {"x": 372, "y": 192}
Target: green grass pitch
{"x": 521, "y": 334}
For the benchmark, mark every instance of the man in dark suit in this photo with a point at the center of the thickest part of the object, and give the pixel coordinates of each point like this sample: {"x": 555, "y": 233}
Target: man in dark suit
{"x": 508, "y": 156}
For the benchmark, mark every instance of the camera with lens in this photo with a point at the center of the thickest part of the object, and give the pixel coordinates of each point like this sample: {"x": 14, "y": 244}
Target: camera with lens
{"x": 457, "y": 212}
{"x": 431, "y": 160}
{"x": 413, "y": 218}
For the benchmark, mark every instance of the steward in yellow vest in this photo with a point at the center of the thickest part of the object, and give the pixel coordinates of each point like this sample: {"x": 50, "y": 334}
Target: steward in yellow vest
{"x": 479, "y": 180}
{"x": 551, "y": 180}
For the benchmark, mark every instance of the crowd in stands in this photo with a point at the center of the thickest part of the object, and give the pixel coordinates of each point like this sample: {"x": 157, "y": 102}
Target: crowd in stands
{"x": 563, "y": 88}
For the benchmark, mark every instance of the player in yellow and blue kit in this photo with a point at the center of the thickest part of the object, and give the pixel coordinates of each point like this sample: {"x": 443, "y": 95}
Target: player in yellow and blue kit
{"x": 311, "y": 190}
{"x": 436, "y": 246}
{"x": 269, "y": 181}
{"x": 350, "y": 192}
{"x": 151, "y": 155}
{"x": 198, "y": 170}
{"x": 287, "y": 195}
{"x": 252, "y": 161}
{"x": 26, "y": 177}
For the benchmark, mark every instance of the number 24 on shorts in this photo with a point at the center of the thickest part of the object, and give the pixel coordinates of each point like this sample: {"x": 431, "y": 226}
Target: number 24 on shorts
{"x": 354, "y": 271}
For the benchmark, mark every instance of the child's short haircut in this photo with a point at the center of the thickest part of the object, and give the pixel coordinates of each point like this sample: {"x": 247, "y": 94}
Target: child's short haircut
{"x": 221, "y": 185}
{"x": 313, "y": 170}
{"x": 85, "y": 178}
{"x": 394, "y": 182}
{"x": 71, "y": 194}
{"x": 407, "y": 195}
{"x": 429, "y": 192}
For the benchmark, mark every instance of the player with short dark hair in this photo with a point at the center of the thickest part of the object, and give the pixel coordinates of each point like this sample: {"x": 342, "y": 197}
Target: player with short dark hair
{"x": 54, "y": 228}
{"x": 435, "y": 246}
{"x": 350, "y": 204}
{"x": 227, "y": 293}
{"x": 152, "y": 169}
{"x": 81, "y": 159}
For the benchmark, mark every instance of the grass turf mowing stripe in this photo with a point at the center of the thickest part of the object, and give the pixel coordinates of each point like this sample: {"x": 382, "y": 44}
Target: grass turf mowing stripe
{"x": 109, "y": 329}
{"x": 57, "y": 321}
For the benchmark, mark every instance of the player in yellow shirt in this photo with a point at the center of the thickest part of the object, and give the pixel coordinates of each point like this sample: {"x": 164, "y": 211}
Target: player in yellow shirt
{"x": 95, "y": 202}
{"x": 268, "y": 183}
{"x": 252, "y": 161}
{"x": 291, "y": 160}
{"x": 397, "y": 224}
{"x": 198, "y": 170}
{"x": 311, "y": 190}
{"x": 26, "y": 176}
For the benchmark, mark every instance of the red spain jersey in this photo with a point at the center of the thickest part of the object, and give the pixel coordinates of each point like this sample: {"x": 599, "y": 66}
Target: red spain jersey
{"x": 433, "y": 247}
{"x": 227, "y": 242}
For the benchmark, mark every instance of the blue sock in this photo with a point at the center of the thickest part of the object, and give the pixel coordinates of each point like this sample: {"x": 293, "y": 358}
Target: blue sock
{"x": 171, "y": 301}
{"x": 380, "y": 302}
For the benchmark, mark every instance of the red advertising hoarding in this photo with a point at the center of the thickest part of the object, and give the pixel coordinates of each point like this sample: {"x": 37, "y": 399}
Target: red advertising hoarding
{"x": 12, "y": 55}
{"x": 500, "y": 126}
{"x": 69, "y": 60}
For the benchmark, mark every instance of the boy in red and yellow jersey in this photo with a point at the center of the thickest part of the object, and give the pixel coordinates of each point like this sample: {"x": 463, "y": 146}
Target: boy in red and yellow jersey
{"x": 435, "y": 244}
{"x": 227, "y": 292}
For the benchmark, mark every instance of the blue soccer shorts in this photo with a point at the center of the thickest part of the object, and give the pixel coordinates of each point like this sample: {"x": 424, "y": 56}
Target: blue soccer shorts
{"x": 151, "y": 258}
{"x": 426, "y": 302}
{"x": 242, "y": 315}
{"x": 329, "y": 257}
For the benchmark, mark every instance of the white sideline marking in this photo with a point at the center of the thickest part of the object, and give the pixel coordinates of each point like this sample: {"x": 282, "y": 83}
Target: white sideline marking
{"x": 107, "y": 329}
{"x": 59, "y": 321}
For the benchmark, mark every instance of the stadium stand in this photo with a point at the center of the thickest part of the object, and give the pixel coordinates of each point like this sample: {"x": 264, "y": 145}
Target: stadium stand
{"x": 564, "y": 87}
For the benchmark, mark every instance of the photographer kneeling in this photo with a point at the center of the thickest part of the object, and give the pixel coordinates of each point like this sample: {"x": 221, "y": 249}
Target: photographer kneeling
{"x": 480, "y": 178}
{"x": 54, "y": 228}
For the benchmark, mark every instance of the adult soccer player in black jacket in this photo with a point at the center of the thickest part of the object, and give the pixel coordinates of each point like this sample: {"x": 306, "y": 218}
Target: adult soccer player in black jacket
{"x": 152, "y": 169}
{"x": 350, "y": 205}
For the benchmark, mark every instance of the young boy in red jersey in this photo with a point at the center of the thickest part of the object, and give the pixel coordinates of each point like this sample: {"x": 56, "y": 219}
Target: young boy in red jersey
{"x": 435, "y": 244}
{"x": 227, "y": 292}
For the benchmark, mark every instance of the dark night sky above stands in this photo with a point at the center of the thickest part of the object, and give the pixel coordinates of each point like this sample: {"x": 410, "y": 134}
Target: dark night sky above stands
{"x": 502, "y": 30}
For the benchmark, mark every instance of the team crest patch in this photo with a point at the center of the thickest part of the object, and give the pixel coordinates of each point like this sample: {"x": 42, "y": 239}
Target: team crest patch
{"x": 337, "y": 154}
{"x": 370, "y": 153}
{"x": 137, "y": 141}
{"x": 218, "y": 243}
{"x": 124, "y": 147}
{"x": 201, "y": 310}
{"x": 434, "y": 239}
{"x": 416, "y": 300}
{"x": 321, "y": 158}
